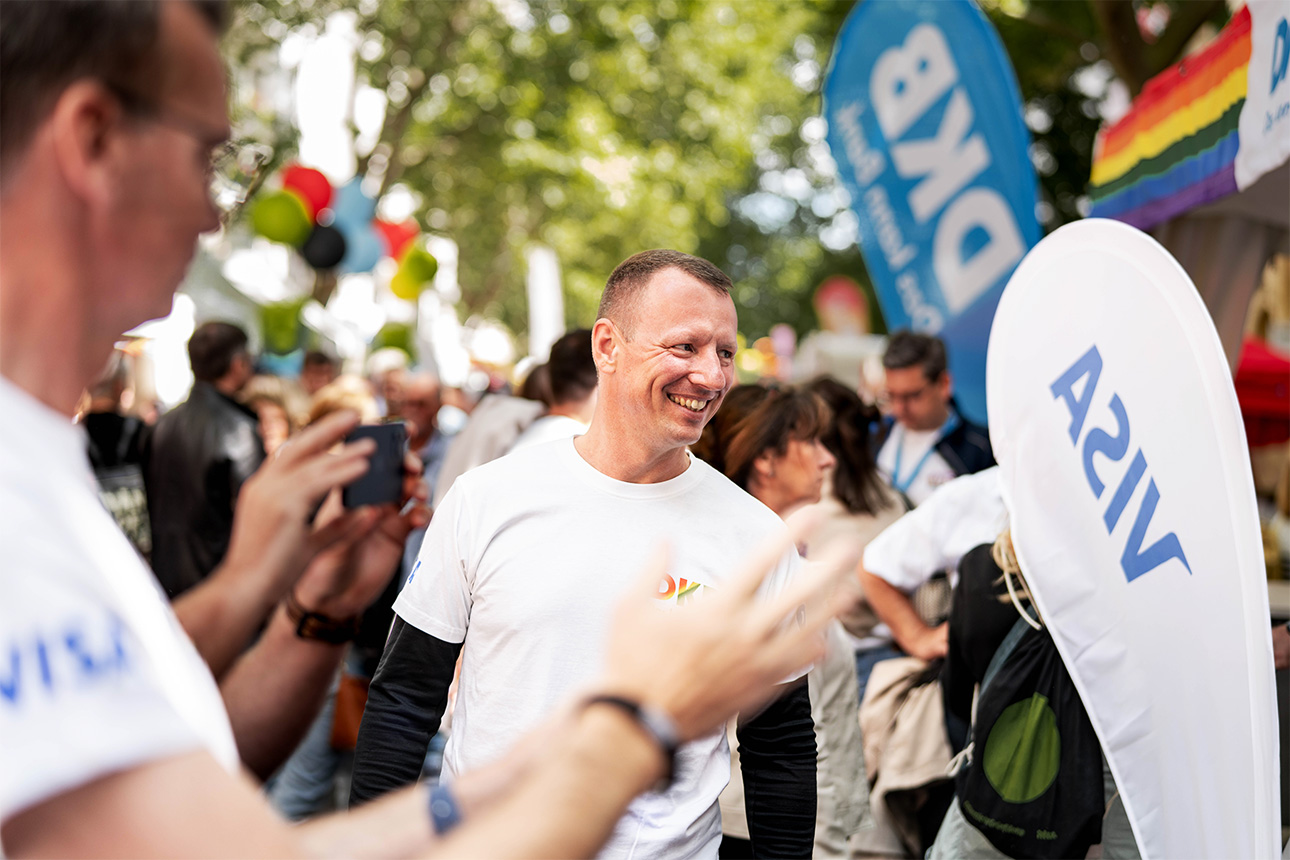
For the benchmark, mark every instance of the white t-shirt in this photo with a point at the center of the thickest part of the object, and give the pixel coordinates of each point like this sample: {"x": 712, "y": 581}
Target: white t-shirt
{"x": 548, "y": 428}
{"x": 96, "y": 674}
{"x": 532, "y": 552}
{"x": 963, "y": 514}
{"x": 910, "y": 462}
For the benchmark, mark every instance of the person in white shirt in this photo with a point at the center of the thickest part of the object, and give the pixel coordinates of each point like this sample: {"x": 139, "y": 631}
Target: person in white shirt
{"x": 572, "y": 379}
{"x": 524, "y": 559}
{"x": 114, "y": 736}
{"x": 961, "y": 515}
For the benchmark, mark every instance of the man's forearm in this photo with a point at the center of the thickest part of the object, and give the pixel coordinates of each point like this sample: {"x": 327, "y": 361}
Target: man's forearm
{"x": 894, "y": 608}
{"x": 404, "y": 706}
{"x": 274, "y": 691}
{"x": 567, "y": 805}
{"x": 397, "y": 825}
{"x": 777, "y": 756}
{"x": 222, "y": 614}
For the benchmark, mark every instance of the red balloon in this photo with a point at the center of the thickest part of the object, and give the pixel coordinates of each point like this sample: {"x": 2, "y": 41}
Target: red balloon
{"x": 311, "y": 185}
{"x": 397, "y": 236}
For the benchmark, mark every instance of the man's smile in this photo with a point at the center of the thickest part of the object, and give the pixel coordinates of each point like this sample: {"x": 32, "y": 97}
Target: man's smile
{"x": 689, "y": 403}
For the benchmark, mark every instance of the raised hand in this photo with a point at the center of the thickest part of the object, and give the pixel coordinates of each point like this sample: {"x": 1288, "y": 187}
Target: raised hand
{"x": 729, "y": 651}
{"x": 345, "y": 578}
{"x": 274, "y": 537}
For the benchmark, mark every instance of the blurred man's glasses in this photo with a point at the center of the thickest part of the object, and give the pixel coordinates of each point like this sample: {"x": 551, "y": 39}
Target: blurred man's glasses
{"x": 233, "y": 169}
{"x": 888, "y": 398}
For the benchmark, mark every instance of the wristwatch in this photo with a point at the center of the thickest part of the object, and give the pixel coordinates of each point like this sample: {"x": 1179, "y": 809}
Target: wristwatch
{"x": 321, "y": 628}
{"x": 654, "y": 722}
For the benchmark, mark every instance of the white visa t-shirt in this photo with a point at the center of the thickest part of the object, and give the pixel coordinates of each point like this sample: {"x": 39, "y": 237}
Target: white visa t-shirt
{"x": 96, "y": 674}
{"x": 532, "y": 553}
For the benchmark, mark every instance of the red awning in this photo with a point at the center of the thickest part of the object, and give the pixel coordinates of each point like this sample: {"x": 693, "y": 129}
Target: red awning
{"x": 1263, "y": 390}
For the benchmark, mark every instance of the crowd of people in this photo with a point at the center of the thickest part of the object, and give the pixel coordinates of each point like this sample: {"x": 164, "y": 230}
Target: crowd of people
{"x": 636, "y": 609}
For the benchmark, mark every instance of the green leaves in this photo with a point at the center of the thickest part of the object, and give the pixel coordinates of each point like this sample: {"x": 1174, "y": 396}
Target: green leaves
{"x": 604, "y": 128}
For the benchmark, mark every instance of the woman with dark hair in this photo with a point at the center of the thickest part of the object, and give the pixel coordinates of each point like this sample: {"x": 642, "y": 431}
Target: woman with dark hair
{"x": 768, "y": 440}
{"x": 857, "y": 503}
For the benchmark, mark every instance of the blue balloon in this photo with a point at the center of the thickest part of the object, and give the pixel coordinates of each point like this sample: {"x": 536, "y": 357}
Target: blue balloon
{"x": 363, "y": 248}
{"x": 352, "y": 208}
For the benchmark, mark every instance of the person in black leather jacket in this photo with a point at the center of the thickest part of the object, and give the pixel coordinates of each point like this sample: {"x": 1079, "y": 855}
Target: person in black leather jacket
{"x": 196, "y": 459}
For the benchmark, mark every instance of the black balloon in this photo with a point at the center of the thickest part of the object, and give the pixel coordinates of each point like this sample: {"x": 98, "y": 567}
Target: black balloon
{"x": 324, "y": 248}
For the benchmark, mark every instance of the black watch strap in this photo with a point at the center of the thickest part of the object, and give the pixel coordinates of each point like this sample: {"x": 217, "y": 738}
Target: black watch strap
{"x": 321, "y": 628}
{"x": 655, "y": 723}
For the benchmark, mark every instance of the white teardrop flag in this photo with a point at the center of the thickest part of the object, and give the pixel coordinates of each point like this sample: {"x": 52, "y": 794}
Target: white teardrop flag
{"x": 1125, "y": 469}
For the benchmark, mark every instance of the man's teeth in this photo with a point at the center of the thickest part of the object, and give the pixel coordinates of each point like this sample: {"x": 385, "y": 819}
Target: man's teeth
{"x": 692, "y": 405}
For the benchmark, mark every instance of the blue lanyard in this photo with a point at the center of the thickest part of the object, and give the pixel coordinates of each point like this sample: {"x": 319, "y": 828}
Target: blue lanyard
{"x": 903, "y": 486}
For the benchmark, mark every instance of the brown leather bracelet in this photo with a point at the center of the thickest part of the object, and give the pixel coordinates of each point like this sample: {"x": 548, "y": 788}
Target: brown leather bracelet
{"x": 317, "y": 627}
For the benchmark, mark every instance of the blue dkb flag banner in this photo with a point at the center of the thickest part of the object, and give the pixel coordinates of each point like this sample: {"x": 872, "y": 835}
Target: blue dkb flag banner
{"x": 925, "y": 125}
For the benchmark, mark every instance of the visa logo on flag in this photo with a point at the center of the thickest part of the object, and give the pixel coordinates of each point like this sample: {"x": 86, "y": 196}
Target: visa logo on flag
{"x": 1134, "y": 561}
{"x": 1280, "y": 54}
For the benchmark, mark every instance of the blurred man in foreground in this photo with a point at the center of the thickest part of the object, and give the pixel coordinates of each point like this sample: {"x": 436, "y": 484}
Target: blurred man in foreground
{"x": 115, "y": 738}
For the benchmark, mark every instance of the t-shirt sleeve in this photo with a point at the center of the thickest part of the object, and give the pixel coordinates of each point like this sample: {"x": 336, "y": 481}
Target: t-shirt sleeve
{"x": 906, "y": 553}
{"x": 962, "y": 514}
{"x": 437, "y": 597}
{"x": 79, "y": 695}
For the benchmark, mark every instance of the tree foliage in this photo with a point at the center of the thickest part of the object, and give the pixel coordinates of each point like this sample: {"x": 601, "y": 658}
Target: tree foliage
{"x": 606, "y": 128}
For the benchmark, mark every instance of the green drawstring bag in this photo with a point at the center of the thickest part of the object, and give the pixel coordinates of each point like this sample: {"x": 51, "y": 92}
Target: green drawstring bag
{"x": 1033, "y": 783}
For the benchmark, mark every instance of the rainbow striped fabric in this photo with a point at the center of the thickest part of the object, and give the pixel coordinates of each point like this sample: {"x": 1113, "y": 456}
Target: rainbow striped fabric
{"x": 1176, "y": 148}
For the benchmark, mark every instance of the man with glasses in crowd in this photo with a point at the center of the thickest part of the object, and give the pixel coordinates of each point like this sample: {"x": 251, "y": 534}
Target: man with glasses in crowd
{"x": 925, "y": 442}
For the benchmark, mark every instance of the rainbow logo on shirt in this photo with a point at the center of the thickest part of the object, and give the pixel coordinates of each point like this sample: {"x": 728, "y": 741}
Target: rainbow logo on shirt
{"x": 683, "y": 590}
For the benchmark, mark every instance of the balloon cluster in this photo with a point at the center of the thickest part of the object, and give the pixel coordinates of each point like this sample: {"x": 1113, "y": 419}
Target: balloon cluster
{"x": 337, "y": 228}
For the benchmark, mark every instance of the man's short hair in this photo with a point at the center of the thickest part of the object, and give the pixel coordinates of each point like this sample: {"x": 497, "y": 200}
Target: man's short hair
{"x": 622, "y": 289}
{"x": 911, "y": 349}
{"x": 572, "y": 367}
{"x": 213, "y": 347}
{"x": 45, "y": 46}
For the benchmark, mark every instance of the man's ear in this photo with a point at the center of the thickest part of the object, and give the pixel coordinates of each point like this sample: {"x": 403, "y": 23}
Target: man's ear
{"x": 81, "y": 131}
{"x": 606, "y": 340}
{"x": 945, "y": 385}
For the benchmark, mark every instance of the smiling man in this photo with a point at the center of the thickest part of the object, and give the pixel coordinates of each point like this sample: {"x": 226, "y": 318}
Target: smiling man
{"x": 523, "y": 563}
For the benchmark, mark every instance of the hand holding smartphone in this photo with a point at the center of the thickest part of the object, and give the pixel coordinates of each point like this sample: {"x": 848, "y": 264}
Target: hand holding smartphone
{"x": 383, "y": 482}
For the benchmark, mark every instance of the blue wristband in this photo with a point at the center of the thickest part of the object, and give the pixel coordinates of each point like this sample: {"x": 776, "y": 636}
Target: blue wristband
{"x": 444, "y": 812}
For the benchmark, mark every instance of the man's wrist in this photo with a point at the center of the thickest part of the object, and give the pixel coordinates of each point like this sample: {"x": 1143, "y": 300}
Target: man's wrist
{"x": 318, "y": 626}
{"x": 654, "y": 723}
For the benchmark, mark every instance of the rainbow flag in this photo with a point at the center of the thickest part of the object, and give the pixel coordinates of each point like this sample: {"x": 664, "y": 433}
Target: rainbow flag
{"x": 1176, "y": 148}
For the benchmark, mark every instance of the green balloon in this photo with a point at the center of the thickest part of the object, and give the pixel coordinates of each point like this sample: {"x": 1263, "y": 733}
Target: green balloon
{"x": 396, "y": 335}
{"x": 418, "y": 265}
{"x": 281, "y": 325}
{"x": 282, "y": 217}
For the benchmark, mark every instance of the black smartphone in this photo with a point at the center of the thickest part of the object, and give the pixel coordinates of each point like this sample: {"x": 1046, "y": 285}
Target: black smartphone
{"x": 383, "y": 482}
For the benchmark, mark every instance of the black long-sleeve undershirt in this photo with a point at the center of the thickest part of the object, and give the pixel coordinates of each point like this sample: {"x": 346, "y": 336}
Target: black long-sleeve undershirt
{"x": 777, "y": 758}
{"x": 404, "y": 707}
{"x": 410, "y": 690}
